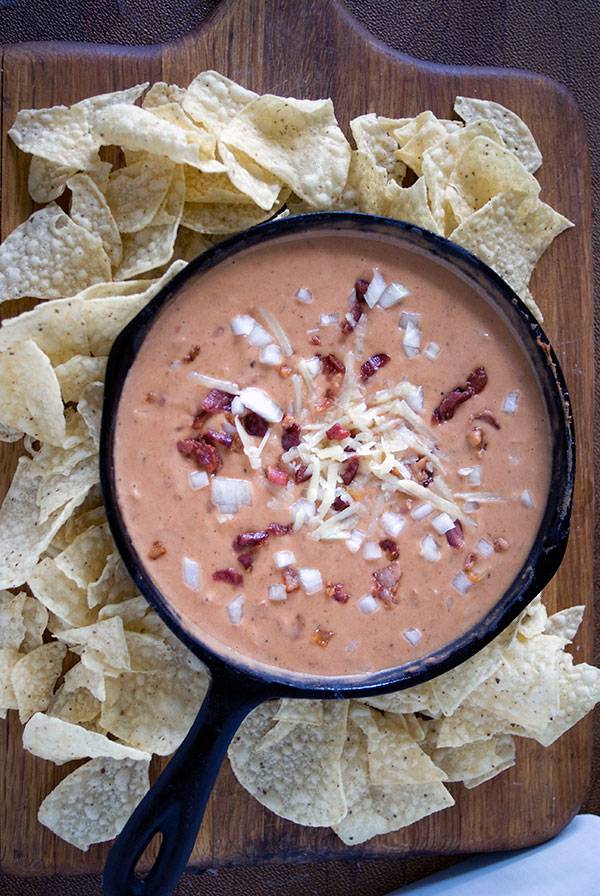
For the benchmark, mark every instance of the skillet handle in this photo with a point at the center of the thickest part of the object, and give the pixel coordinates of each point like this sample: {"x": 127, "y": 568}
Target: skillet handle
{"x": 175, "y": 805}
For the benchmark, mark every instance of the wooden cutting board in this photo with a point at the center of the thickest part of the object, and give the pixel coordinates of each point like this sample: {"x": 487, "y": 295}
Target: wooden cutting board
{"x": 314, "y": 48}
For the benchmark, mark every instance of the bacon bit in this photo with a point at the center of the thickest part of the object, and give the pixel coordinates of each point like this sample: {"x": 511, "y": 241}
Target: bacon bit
{"x": 340, "y": 504}
{"x": 476, "y": 439}
{"x": 191, "y": 355}
{"x": 332, "y": 365}
{"x": 475, "y": 383}
{"x": 321, "y": 637}
{"x": 301, "y": 474}
{"x": 291, "y": 433}
{"x": 385, "y": 583}
{"x": 470, "y": 561}
{"x": 486, "y": 416}
{"x": 337, "y": 591}
{"x": 247, "y": 561}
{"x": 204, "y": 454}
{"x": 213, "y": 437}
{"x": 337, "y": 432}
{"x": 155, "y": 398}
{"x": 356, "y": 312}
{"x": 278, "y": 529}
{"x": 500, "y": 545}
{"x": 157, "y": 550}
{"x": 360, "y": 288}
{"x": 390, "y": 547}
{"x": 455, "y": 537}
{"x": 217, "y": 400}
{"x": 250, "y": 539}
{"x": 229, "y": 575}
{"x": 372, "y": 365}
{"x": 254, "y": 424}
{"x": 315, "y": 339}
{"x": 285, "y": 371}
{"x": 349, "y": 470}
{"x": 277, "y": 476}
{"x": 423, "y": 472}
{"x": 199, "y": 420}
{"x": 291, "y": 579}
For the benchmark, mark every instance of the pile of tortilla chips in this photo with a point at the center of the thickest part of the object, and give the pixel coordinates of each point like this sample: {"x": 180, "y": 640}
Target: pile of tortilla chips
{"x": 92, "y": 671}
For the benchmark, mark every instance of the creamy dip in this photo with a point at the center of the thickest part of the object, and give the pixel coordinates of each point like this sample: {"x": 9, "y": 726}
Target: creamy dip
{"x": 376, "y": 484}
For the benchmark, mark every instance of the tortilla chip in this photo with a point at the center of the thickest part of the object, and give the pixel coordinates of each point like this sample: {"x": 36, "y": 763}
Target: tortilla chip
{"x": 250, "y": 179}
{"x": 19, "y": 627}
{"x": 9, "y": 657}
{"x": 57, "y": 328}
{"x": 34, "y": 676}
{"x": 102, "y": 645}
{"x": 79, "y": 697}
{"x": 50, "y": 242}
{"x": 308, "y": 712}
{"x": 300, "y": 777}
{"x": 214, "y": 188}
{"x": 476, "y": 761}
{"x": 471, "y": 723}
{"x": 161, "y": 93}
{"x": 47, "y": 180}
{"x": 373, "y": 137}
{"x": 565, "y": 624}
{"x": 533, "y": 619}
{"x": 417, "y": 699}
{"x": 579, "y": 692}
{"x": 136, "y": 192}
{"x": 410, "y": 204}
{"x": 90, "y": 210}
{"x": 113, "y": 585}
{"x": 132, "y": 611}
{"x": 77, "y": 373}
{"x": 213, "y": 100}
{"x": 57, "y": 489}
{"x": 60, "y": 135}
{"x": 485, "y": 169}
{"x": 31, "y": 399}
{"x": 60, "y": 741}
{"x": 59, "y": 594}
{"x": 516, "y": 135}
{"x": 84, "y": 559}
{"x": 90, "y": 408}
{"x": 298, "y": 141}
{"x": 365, "y": 189}
{"x": 189, "y": 245}
{"x": 204, "y": 217}
{"x": 428, "y": 131}
{"x": 148, "y": 653}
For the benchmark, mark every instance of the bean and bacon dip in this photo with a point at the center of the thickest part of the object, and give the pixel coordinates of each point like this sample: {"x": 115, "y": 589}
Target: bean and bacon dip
{"x": 341, "y": 450}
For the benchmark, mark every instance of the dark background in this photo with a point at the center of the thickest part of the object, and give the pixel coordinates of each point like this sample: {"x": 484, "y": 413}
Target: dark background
{"x": 560, "y": 39}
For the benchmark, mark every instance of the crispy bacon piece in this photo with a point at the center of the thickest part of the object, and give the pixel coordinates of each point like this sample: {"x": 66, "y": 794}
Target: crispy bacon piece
{"x": 339, "y": 504}
{"x": 360, "y": 288}
{"x": 215, "y": 437}
{"x": 205, "y": 455}
{"x": 332, "y": 365}
{"x": 373, "y": 364}
{"x": 291, "y": 433}
{"x": 276, "y": 476}
{"x": 291, "y": 579}
{"x": 385, "y": 583}
{"x": 229, "y": 575}
{"x": 321, "y": 637}
{"x": 486, "y": 416}
{"x": 337, "y": 591}
{"x": 349, "y": 470}
{"x": 475, "y": 383}
{"x": 337, "y": 432}
{"x": 191, "y": 355}
{"x": 389, "y": 547}
{"x": 217, "y": 400}
{"x": 301, "y": 473}
{"x": 155, "y": 398}
{"x": 455, "y": 536}
{"x": 279, "y": 529}
{"x": 157, "y": 550}
{"x": 254, "y": 424}
{"x": 199, "y": 420}
{"x": 315, "y": 339}
{"x": 250, "y": 539}
{"x": 246, "y": 560}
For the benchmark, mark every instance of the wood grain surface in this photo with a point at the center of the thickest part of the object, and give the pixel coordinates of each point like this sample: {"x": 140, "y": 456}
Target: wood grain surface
{"x": 269, "y": 46}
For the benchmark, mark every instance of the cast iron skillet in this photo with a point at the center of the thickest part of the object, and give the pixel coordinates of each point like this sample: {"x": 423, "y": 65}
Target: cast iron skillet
{"x": 175, "y": 805}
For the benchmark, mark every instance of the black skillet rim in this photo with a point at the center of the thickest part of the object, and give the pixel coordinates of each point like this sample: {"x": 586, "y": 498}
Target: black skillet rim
{"x": 550, "y": 544}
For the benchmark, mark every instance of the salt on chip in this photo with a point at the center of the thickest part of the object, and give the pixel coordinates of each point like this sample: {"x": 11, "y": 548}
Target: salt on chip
{"x": 77, "y": 373}
{"x": 34, "y": 676}
{"x": 90, "y": 210}
{"x": 205, "y": 217}
{"x": 9, "y": 657}
{"x": 298, "y": 141}
{"x": 60, "y": 594}
{"x": 57, "y": 328}
{"x": 50, "y": 242}
{"x": 411, "y": 204}
{"x": 213, "y": 100}
{"x": 250, "y": 178}
{"x": 93, "y": 803}
{"x": 102, "y": 645}
{"x": 60, "y": 741}
{"x": 516, "y": 135}
{"x": 476, "y": 761}
{"x": 565, "y": 624}
{"x": 135, "y": 192}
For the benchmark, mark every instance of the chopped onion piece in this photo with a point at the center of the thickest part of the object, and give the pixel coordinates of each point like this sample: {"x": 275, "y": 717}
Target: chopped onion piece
{"x": 242, "y": 325}
{"x": 411, "y": 340}
{"x": 470, "y": 506}
{"x": 372, "y": 551}
{"x": 431, "y": 351}
{"x": 409, "y": 317}
{"x": 198, "y": 479}
{"x": 277, "y": 592}
{"x": 367, "y": 604}
{"x": 465, "y": 472}
{"x": 213, "y": 382}
{"x": 484, "y": 548}
{"x": 277, "y": 331}
{"x": 191, "y": 574}
{"x": 413, "y": 636}
{"x": 329, "y": 320}
{"x": 430, "y": 549}
{"x": 237, "y": 406}
{"x": 474, "y": 477}
{"x": 262, "y": 404}
{"x": 311, "y": 580}
{"x": 462, "y": 582}
{"x": 313, "y": 365}
{"x": 376, "y": 289}
{"x": 271, "y": 354}
{"x": 283, "y": 559}
{"x": 526, "y": 499}
{"x": 304, "y": 295}
{"x": 235, "y": 609}
{"x": 442, "y": 523}
{"x": 416, "y": 400}
{"x": 302, "y": 510}
{"x": 230, "y": 494}
{"x": 392, "y": 523}
{"x": 393, "y": 294}
{"x": 355, "y": 541}
{"x": 511, "y": 403}
{"x": 259, "y": 336}
{"x": 420, "y": 512}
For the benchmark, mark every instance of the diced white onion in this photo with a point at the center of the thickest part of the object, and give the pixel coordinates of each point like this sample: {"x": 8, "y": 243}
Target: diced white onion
{"x": 474, "y": 477}
{"x": 283, "y": 559}
{"x": 470, "y": 506}
{"x": 423, "y": 510}
{"x": 213, "y": 382}
{"x": 198, "y": 479}
{"x": 511, "y": 403}
{"x": 431, "y": 351}
{"x": 484, "y": 548}
{"x": 302, "y": 511}
{"x": 235, "y": 609}
{"x": 237, "y": 406}
{"x": 526, "y": 499}
{"x": 350, "y": 318}
{"x": 259, "y": 336}
{"x": 372, "y": 551}
{"x": 329, "y": 320}
{"x": 191, "y": 574}
{"x": 367, "y": 604}
{"x": 313, "y": 365}
{"x": 271, "y": 355}
{"x": 311, "y": 580}
{"x": 376, "y": 289}
{"x": 462, "y": 582}
{"x": 411, "y": 340}
{"x": 409, "y": 317}
{"x": 354, "y": 542}
{"x": 464, "y": 472}
{"x": 393, "y": 294}
{"x": 230, "y": 494}
{"x": 442, "y": 523}
{"x": 262, "y": 404}
{"x": 413, "y": 636}
{"x": 304, "y": 295}
{"x": 430, "y": 549}
{"x": 416, "y": 400}
{"x": 392, "y": 523}
{"x": 277, "y": 592}
{"x": 242, "y": 325}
